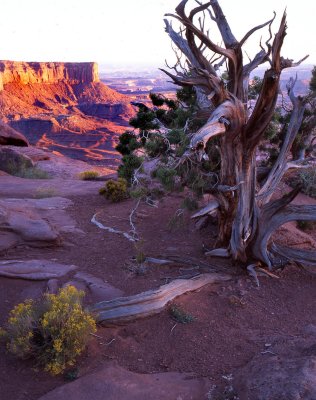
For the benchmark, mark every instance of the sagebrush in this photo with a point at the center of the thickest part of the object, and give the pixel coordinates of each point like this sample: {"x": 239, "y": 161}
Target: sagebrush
{"x": 54, "y": 330}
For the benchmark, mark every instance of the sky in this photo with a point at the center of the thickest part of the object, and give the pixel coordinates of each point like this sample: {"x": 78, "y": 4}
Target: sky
{"x": 131, "y": 32}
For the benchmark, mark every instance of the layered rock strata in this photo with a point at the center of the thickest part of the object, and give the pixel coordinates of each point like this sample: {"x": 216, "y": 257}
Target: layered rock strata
{"x": 47, "y": 72}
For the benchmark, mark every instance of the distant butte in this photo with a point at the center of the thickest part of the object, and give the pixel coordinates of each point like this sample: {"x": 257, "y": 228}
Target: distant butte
{"x": 64, "y": 107}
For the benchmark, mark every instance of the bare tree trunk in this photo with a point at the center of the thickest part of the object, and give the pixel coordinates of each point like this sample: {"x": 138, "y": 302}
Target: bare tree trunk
{"x": 246, "y": 215}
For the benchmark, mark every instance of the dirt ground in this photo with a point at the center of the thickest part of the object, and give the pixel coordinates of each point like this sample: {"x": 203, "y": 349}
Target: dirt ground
{"x": 232, "y": 322}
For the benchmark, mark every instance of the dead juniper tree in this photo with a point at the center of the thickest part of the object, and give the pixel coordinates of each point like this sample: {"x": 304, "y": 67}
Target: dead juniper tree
{"x": 247, "y": 214}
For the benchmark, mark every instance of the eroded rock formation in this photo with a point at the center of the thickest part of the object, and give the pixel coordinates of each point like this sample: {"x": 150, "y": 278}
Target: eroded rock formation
{"x": 9, "y": 136}
{"x": 64, "y": 107}
{"x": 47, "y": 72}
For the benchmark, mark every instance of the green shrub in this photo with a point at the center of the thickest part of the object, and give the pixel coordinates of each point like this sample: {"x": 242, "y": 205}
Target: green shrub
{"x": 88, "y": 175}
{"x": 139, "y": 193}
{"x": 115, "y": 190}
{"x": 166, "y": 176}
{"x": 306, "y": 225}
{"x": 54, "y": 330}
{"x": 27, "y": 172}
{"x": 32, "y": 173}
{"x": 177, "y": 221}
{"x": 190, "y": 204}
{"x": 179, "y": 315}
{"x": 156, "y": 145}
{"x": 42, "y": 193}
{"x": 307, "y": 179}
{"x": 130, "y": 162}
{"x": 127, "y": 143}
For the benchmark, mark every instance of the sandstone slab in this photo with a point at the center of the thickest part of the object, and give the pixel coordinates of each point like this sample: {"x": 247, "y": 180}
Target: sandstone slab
{"x": 278, "y": 378}
{"x": 116, "y": 383}
{"x": 35, "y": 222}
{"x": 34, "y": 269}
{"x": 98, "y": 289}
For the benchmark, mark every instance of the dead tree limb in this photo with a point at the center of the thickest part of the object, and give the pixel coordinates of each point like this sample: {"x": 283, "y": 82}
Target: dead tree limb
{"x": 145, "y": 304}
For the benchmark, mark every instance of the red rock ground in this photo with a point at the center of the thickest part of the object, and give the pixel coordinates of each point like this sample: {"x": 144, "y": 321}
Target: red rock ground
{"x": 232, "y": 322}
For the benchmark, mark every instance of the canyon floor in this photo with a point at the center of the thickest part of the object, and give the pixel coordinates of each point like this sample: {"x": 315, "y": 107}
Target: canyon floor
{"x": 244, "y": 342}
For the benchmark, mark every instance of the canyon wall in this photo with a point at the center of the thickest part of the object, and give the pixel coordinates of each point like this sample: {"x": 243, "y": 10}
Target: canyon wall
{"x": 64, "y": 108}
{"x": 47, "y": 72}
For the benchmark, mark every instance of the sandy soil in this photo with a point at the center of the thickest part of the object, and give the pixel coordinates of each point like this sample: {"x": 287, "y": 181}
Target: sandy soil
{"x": 232, "y": 322}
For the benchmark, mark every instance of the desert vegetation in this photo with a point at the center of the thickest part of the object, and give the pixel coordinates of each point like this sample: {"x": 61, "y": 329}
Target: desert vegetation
{"x": 53, "y": 330}
{"x": 214, "y": 194}
{"x": 208, "y": 139}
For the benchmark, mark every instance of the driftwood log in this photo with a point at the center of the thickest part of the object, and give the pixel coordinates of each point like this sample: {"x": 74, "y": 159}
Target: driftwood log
{"x": 145, "y": 304}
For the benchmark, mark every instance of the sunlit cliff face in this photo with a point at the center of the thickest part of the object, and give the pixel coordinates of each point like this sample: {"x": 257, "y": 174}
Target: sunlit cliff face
{"x": 64, "y": 107}
{"x": 50, "y": 72}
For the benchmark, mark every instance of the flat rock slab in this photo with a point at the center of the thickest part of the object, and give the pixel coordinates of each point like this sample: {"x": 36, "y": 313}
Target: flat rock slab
{"x": 34, "y": 269}
{"x": 35, "y": 222}
{"x": 116, "y": 383}
{"x": 12, "y": 186}
{"x": 97, "y": 288}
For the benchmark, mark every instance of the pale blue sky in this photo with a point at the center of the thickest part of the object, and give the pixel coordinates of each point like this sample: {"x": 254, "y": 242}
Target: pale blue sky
{"x": 131, "y": 31}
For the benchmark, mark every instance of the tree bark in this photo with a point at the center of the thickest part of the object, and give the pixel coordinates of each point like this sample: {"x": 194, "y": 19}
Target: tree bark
{"x": 246, "y": 216}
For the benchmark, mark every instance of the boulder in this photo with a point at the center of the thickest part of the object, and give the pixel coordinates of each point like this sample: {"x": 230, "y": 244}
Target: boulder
{"x": 278, "y": 378}
{"x": 12, "y": 162}
{"x": 9, "y": 135}
{"x": 115, "y": 383}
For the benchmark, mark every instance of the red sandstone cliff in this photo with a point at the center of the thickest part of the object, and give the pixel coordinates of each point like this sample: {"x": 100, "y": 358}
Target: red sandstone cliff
{"x": 47, "y": 72}
{"x": 63, "y": 107}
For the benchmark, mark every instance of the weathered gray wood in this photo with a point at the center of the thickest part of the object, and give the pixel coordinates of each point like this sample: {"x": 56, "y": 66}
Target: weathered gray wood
{"x": 208, "y": 209}
{"x": 300, "y": 256}
{"x": 152, "y": 302}
{"x": 245, "y": 223}
{"x": 218, "y": 253}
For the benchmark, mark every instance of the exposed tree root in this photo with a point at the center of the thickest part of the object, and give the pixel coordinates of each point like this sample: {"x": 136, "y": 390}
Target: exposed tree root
{"x": 218, "y": 253}
{"x": 112, "y": 230}
{"x": 298, "y": 256}
{"x": 145, "y": 304}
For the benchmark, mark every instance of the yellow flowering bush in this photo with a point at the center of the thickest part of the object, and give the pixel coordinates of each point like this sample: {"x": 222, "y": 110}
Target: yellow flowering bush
{"x": 53, "y": 330}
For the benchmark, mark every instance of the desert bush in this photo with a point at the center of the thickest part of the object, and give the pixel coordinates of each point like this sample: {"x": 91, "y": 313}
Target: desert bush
{"x": 23, "y": 170}
{"x": 179, "y": 315}
{"x": 190, "y": 204}
{"x": 166, "y": 176}
{"x": 32, "y": 173}
{"x": 130, "y": 163}
{"x": 42, "y": 193}
{"x": 306, "y": 225}
{"x": 54, "y": 330}
{"x": 307, "y": 179}
{"x": 127, "y": 143}
{"x": 88, "y": 175}
{"x": 115, "y": 190}
{"x": 139, "y": 192}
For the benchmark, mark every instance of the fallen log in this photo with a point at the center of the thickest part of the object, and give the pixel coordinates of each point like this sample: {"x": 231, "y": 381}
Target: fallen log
{"x": 148, "y": 303}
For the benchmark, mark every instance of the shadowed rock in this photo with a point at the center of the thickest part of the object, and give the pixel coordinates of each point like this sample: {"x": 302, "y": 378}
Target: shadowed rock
{"x": 116, "y": 383}
{"x": 33, "y": 222}
{"x": 9, "y": 135}
{"x": 11, "y": 161}
{"x": 36, "y": 270}
{"x": 279, "y": 377}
